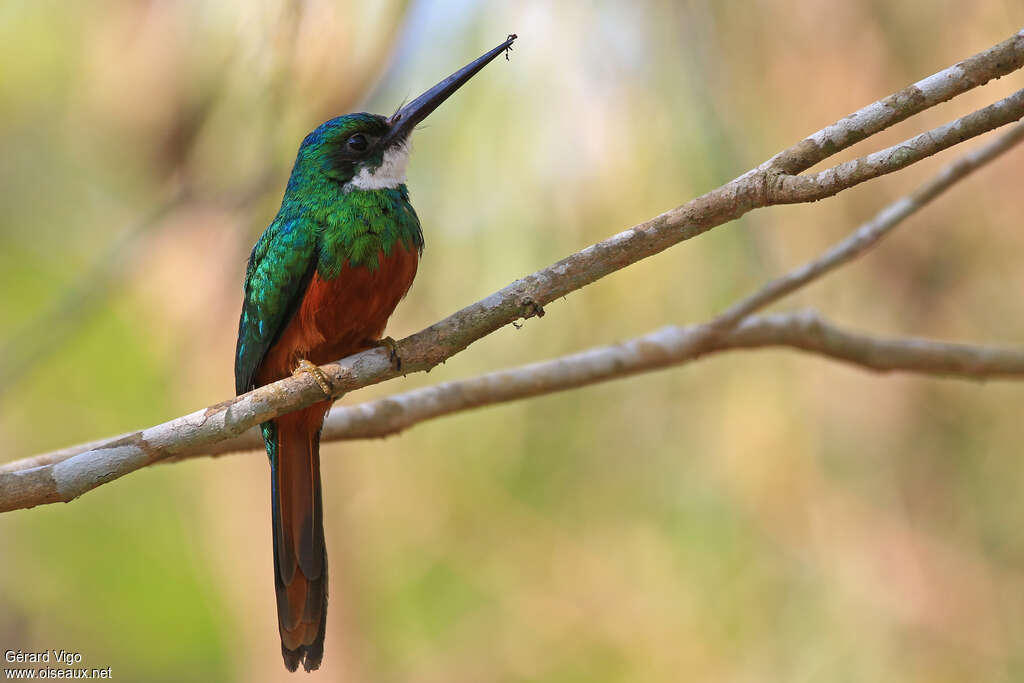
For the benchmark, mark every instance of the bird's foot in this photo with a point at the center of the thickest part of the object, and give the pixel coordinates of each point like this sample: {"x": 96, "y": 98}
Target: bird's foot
{"x": 319, "y": 375}
{"x": 392, "y": 346}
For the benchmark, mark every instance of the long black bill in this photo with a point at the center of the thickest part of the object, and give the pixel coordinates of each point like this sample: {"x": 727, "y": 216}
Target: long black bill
{"x": 411, "y": 114}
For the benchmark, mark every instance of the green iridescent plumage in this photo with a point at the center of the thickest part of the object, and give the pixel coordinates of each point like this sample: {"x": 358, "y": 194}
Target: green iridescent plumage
{"x": 346, "y": 204}
{"x": 321, "y": 282}
{"x": 375, "y": 221}
{"x": 324, "y": 222}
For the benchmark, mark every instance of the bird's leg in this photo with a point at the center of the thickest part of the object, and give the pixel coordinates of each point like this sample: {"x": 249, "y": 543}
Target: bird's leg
{"x": 392, "y": 346}
{"x": 319, "y": 375}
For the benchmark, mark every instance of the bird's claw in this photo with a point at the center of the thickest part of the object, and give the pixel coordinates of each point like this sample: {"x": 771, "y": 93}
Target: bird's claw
{"x": 318, "y": 375}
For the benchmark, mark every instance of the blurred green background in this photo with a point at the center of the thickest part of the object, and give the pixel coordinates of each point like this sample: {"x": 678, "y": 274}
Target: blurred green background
{"x": 758, "y": 516}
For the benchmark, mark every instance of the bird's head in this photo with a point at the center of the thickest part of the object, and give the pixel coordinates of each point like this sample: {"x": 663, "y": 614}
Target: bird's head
{"x": 370, "y": 152}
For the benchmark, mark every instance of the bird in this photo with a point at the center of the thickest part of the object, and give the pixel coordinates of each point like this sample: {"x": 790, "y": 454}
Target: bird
{"x": 320, "y": 284}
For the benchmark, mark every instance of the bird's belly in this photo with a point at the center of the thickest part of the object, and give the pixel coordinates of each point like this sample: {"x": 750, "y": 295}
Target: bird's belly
{"x": 341, "y": 316}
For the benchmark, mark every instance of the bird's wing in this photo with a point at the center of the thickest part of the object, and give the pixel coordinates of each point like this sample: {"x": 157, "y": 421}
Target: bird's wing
{"x": 280, "y": 267}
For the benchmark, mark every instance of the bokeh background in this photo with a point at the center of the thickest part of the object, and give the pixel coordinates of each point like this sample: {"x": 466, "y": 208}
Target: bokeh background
{"x": 757, "y": 516}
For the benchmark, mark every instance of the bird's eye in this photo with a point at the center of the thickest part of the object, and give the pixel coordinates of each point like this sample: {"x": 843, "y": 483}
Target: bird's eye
{"x": 357, "y": 142}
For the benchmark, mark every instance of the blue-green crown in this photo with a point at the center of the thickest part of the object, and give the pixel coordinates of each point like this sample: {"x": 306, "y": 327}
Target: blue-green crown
{"x": 334, "y": 148}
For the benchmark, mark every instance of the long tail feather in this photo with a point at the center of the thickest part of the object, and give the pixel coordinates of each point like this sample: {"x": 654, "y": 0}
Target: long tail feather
{"x": 300, "y": 556}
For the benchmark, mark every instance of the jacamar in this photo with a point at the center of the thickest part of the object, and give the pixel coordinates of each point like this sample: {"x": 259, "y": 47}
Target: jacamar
{"x": 321, "y": 283}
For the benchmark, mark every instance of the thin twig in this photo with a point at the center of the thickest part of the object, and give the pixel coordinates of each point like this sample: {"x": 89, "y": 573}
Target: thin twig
{"x": 870, "y": 233}
{"x": 794, "y": 189}
{"x": 995, "y": 62}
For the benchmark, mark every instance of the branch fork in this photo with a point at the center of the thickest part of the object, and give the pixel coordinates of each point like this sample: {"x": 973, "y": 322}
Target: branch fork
{"x": 231, "y": 425}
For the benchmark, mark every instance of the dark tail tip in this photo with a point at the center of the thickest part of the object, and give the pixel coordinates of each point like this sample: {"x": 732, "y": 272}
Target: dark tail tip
{"x": 291, "y": 657}
{"x": 309, "y": 656}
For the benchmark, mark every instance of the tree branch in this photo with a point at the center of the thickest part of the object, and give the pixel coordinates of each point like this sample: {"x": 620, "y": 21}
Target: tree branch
{"x": 806, "y": 331}
{"x": 995, "y": 62}
{"x": 664, "y": 348}
{"x": 69, "y": 478}
{"x": 871, "y": 232}
{"x": 794, "y": 189}
{"x": 376, "y": 419}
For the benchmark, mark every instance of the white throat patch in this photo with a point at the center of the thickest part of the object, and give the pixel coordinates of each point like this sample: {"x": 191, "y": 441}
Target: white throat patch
{"x": 389, "y": 175}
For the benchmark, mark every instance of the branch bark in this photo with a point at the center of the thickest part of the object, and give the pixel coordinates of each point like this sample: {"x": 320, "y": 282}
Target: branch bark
{"x": 772, "y": 183}
{"x": 793, "y": 189}
{"x": 55, "y": 476}
{"x": 387, "y": 416}
{"x": 665, "y": 348}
